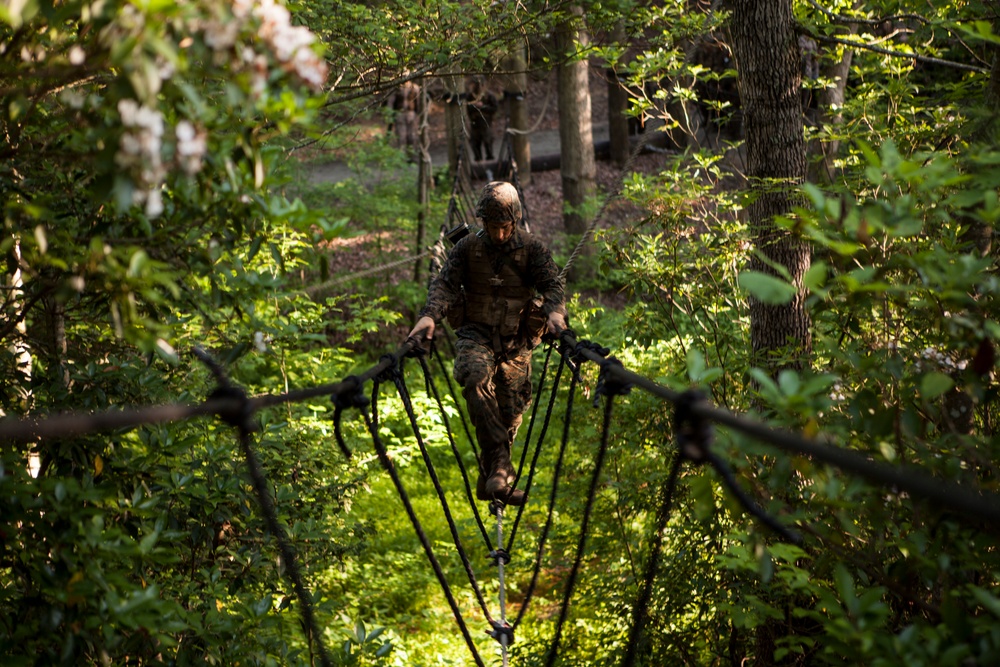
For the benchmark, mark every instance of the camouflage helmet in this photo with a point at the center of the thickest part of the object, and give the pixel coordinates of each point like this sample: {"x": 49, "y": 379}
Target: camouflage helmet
{"x": 499, "y": 201}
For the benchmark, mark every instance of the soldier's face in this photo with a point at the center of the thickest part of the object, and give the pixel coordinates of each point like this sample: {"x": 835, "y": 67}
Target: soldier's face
{"x": 500, "y": 232}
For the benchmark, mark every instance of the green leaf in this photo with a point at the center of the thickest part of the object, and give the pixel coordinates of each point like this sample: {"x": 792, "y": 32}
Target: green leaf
{"x": 815, "y": 278}
{"x": 703, "y": 495}
{"x": 767, "y": 289}
{"x": 934, "y": 384}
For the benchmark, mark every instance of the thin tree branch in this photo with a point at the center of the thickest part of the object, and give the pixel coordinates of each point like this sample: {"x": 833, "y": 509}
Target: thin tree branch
{"x": 902, "y": 54}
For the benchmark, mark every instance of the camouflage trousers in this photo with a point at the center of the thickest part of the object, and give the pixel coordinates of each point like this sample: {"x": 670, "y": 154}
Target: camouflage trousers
{"x": 497, "y": 393}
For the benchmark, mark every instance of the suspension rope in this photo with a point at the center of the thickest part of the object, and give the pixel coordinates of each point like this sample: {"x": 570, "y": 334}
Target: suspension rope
{"x": 241, "y": 417}
{"x": 432, "y": 388}
{"x": 556, "y": 473}
{"x": 404, "y": 394}
{"x": 640, "y": 611}
{"x": 538, "y": 446}
{"x": 610, "y": 391}
{"x": 372, "y": 424}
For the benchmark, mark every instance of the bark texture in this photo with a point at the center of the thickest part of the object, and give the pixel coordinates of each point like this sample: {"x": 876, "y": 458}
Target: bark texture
{"x": 576, "y": 136}
{"x": 515, "y": 88}
{"x": 768, "y": 64}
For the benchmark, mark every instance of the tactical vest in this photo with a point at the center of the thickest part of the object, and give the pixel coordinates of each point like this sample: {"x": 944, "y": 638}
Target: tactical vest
{"x": 495, "y": 298}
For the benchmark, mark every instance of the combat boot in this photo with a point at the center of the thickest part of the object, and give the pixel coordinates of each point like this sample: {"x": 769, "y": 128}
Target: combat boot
{"x": 511, "y": 496}
{"x": 502, "y": 473}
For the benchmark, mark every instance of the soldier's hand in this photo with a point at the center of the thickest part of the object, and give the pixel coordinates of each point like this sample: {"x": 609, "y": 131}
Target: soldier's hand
{"x": 423, "y": 330}
{"x": 557, "y": 322}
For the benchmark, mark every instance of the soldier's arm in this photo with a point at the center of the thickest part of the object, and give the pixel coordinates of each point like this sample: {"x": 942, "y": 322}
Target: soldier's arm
{"x": 548, "y": 284}
{"x": 446, "y": 287}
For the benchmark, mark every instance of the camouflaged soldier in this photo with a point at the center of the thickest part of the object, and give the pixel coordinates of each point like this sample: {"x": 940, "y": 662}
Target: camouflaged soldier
{"x": 497, "y": 272}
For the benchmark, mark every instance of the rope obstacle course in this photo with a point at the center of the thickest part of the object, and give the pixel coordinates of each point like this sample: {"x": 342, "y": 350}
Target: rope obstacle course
{"x": 693, "y": 425}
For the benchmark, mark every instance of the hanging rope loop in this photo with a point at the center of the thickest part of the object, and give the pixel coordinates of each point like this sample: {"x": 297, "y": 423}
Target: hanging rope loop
{"x": 350, "y": 396}
{"x": 500, "y": 555}
{"x": 502, "y": 630}
{"x": 694, "y": 434}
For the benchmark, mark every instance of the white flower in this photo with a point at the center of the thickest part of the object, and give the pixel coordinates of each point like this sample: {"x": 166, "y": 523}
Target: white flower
{"x": 77, "y": 56}
{"x": 154, "y": 203}
{"x": 128, "y": 109}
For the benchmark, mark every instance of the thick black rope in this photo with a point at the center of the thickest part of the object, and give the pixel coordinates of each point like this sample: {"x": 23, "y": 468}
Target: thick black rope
{"x": 454, "y": 398}
{"x": 556, "y": 472}
{"x": 242, "y": 418}
{"x": 640, "y": 613}
{"x": 584, "y": 526}
{"x": 404, "y": 395}
{"x": 383, "y": 457}
{"x": 543, "y": 538}
{"x": 432, "y": 389}
{"x": 534, "y": 411}
{"x": 966, "y": 501}
{"x": 538, "y": 450}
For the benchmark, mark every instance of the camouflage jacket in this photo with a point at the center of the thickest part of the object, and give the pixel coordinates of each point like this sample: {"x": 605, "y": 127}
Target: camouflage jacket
{"x": 493, "y": 289}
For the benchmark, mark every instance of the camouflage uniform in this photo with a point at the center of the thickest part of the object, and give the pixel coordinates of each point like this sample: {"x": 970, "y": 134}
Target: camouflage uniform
{"x": 493, "y": 359}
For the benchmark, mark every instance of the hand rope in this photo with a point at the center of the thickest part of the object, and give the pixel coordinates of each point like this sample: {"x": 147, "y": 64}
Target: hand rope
{"x": 313, "y": 289}
{"x": 610, "y": 392}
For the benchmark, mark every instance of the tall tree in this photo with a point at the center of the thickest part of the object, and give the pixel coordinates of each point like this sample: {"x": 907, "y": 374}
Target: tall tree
{"x": 576, "y": 137}
{"x": 769, "y": 80}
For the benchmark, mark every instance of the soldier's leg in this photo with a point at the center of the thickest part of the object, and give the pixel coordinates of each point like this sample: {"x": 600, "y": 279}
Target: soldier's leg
{"x": 475, "y": 366}
{"x": 488, "y": 144}
{"x": 512, "y": 383}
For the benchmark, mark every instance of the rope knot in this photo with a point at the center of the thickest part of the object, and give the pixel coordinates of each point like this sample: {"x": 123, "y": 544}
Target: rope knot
{"x": 502, "y": 630}
{"x": 496, "y": 507}
{"x": 694, "y": 433}
{"x": 350, "y": 397}
{"x": 237, "y": 410}
{"x": 608, "y": 383}
{"x": 391, "y": 372}
{"x": 500, "y": 555}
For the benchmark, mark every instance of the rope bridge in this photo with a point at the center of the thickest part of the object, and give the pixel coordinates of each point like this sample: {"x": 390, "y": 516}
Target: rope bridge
{"x": 694, "y": 417}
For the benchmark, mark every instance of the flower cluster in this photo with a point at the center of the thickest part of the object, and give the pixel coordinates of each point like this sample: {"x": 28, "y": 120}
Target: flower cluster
{"x": 938, "y": 360}
{"x": 139, "y": 153}
{"x": 289, "y": 45}
{"x": 276, "y": 43}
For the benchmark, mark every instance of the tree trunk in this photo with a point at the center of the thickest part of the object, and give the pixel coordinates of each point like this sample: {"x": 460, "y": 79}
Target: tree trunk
{"x": 576, "y": 137}
{"x": 831, "y": 100}
{"x": 454, "y": 121}
{"x": 515, "y": 88}
{"x": 423, "y": 183}
{"x": 618, "y": 110}
{"x": 768, "y": 64}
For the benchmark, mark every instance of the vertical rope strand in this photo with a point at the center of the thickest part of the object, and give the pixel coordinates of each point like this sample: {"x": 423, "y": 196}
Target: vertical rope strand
{"x": 383, "y": 457}
{"x": 584, "y": 527}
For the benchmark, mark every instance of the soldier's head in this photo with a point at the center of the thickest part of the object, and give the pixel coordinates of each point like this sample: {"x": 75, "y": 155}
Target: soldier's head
{"x": 499, "y": 209}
